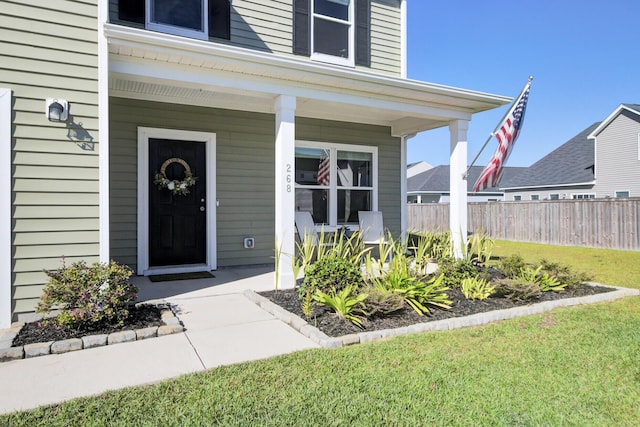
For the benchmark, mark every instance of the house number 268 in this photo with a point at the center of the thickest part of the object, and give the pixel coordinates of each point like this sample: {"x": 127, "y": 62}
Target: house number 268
{"x": 288, "y": 177}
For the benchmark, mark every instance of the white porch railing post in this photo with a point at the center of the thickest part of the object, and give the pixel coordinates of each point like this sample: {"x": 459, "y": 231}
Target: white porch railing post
{"x": 285, "y": 108}
{"x": 458, "y": 190}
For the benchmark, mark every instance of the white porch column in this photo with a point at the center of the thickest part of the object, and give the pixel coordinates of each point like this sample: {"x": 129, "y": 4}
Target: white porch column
{"x": 285, "y": 108}
{"x": 403, "y": 185}
{"x": 458, "y": 190}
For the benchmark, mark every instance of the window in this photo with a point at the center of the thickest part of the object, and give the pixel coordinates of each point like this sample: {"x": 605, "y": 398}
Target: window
{"x": 583, "y": 196}
{"x": 517, "y": 198}
{"x": 335, "y": 31}
{"x": 334, "y": 181}
{"x": 554, "y": 197}
{"x": 622, "y": 194}
{"x": 198, "y": 19}
{"x": 332, "y": 31}
{"x": 535, "y": 197}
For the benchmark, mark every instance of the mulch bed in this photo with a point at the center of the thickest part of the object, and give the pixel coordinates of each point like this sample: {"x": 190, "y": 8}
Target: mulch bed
{"x": 142, "y": 316}
{"x": 332, "y": 325}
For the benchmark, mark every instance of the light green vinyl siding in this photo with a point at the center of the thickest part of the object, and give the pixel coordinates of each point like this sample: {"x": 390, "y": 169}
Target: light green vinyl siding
{"x": 48, "y": 49}
{"x": 245, "y": 177}
{"x": 267, "y": 25}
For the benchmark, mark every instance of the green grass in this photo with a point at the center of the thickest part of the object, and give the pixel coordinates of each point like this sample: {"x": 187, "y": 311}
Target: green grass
{"x": 573, "y": 366}
{"x": 607, "y": 266}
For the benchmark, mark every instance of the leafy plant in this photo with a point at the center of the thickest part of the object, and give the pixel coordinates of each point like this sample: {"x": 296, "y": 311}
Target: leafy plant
{"x": 88, "y": 294}
{"x": 346, "y": 303}
{"x": 307, "y": 303}
{"x": 476, "y": 289}
{"x": 330, "y": 272}
{"x": 564, "y": 274}
{"x": 429, "y": 246}
{"x": 480, "y": 248}
{"x": 381, "y": 301}
{"x": 549, "y": 283}
{"x": 418, "y": 294}
{"x": 518, "y": 290}
{"x": 511, "y": 266}
{"x": 455, "y": 271}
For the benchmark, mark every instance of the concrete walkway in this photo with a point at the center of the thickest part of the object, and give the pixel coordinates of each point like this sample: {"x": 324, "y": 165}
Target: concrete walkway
{"x": 222, "y": 327}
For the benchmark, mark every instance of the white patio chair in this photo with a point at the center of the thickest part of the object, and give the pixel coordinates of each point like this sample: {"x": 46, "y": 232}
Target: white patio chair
{"x": 306, "y": 228}
{"x": 371, "y": 227}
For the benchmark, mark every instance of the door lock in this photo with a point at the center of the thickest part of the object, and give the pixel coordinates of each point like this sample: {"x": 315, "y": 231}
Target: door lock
{"x": 201, "y": 208}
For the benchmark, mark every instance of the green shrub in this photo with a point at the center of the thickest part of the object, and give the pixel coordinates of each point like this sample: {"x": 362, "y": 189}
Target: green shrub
{"x": 480, "y": 248}
{"x": 88, "y": 294}
{"x": 455, "y": 271}
{"x": 347, "y": 303}
{"x": 476, "y": 288}
{"x": 511, "y": 266}
{"x": 564, "y": 274}
{"x": 418, "y": 294}
{"x": 330, "y": 273}
{"x": 381, "y": 301}
{"x": 517, "y": 289}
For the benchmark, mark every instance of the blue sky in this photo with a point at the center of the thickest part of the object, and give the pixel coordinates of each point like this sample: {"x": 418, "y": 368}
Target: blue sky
{"x": 583, "y": 55}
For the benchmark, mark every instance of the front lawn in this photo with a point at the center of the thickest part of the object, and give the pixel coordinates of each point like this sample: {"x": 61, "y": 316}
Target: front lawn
{"x": 573, "y": 366}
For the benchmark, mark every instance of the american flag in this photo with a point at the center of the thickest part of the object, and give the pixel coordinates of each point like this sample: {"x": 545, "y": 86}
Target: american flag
{"x": 506, "y": 135}
{"x": 324, "y": 168}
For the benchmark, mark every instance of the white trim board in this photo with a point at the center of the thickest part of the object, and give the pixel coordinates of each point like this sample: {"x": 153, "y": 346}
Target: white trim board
{"x": 144, "y": 133}
{"x": 5, "y": 209}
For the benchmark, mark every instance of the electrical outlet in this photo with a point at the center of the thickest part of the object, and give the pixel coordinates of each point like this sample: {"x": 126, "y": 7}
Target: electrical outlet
{"x": 249, "y": 242}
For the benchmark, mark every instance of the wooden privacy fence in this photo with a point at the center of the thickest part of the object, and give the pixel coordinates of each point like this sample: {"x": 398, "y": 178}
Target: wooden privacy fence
{"x": 600, "y": 223}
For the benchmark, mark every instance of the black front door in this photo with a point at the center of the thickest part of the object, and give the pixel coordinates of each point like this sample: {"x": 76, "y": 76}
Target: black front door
{"x": 177, "y": 222}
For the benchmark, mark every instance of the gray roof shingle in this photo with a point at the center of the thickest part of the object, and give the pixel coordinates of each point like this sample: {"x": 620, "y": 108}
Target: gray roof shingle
{"x": 436, "y": 180}
{"x": 571, "y": 163}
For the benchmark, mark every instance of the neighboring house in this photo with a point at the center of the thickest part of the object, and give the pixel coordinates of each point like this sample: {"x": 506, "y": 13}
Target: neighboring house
{"x": 254, "y": 98}
{"x": 414, "y": 169}
{"x": 601, "y": 161}
{"x": 433, "y": 186}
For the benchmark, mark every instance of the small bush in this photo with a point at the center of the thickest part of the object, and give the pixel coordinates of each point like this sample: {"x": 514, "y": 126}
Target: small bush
{"x": 564, "y": 274}
{"x": 88, "y": 294}
{"x": 518, "y": 290}
{"x": 455, "y": 271}
{"x": 381, "y": 301}
{"x": 511, "y": 266}
{"x": 330, "y": 273}
{"x": 347, "y": 303}
{"x": 476, "y": 288}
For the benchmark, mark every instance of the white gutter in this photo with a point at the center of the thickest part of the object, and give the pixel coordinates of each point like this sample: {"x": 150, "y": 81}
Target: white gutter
{"x": 548, "y": 186}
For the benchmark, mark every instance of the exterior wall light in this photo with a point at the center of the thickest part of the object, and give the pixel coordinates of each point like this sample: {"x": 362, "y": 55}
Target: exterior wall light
{"x": 57, "y": 110}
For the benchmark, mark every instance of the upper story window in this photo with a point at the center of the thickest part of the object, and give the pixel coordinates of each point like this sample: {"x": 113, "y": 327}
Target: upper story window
{"x": 622, "y": 194}
{"x": 198, "y": 19}
{"x": 517, "y": 198}
{"x": 554, "y": 197}
{"x": 535, "y": 197}
{"x": 334, "y": 31}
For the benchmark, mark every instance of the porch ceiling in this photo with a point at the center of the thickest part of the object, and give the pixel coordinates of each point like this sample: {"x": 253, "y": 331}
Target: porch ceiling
{"x": 165, "y": 68}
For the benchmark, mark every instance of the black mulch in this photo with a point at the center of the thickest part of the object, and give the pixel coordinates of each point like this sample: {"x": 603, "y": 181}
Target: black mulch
{"x": 332, "y": 325}
{"x": 140, "y": 317}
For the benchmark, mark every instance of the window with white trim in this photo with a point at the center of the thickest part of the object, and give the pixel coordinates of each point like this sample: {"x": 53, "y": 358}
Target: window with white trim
{"x": 335, "y": 181}
{"x": 554, "y": 196}
{"x": 332, "y": 31}
{"x": 535, "y": 197}
{"x": 198, "y": 19}
{"x": 583, "y": 196}
{"x": 517, "y": 198}
{"x": 622, "y": 194}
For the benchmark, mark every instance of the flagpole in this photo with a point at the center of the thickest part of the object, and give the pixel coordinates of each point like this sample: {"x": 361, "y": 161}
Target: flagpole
{"x": 492, "y": 134}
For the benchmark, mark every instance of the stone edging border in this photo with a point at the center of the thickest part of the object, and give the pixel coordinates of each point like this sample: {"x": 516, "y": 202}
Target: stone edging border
{"x": 326, "y": 341}
{"x": 172, "y": 325}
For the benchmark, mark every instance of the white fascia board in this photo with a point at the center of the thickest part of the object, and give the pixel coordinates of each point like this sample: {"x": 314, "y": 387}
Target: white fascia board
{"x": 251, "y": 62}
{"x": 534, "y": 187}
{"x": 609, "y": 119}
{"x": 169, "y": 73}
